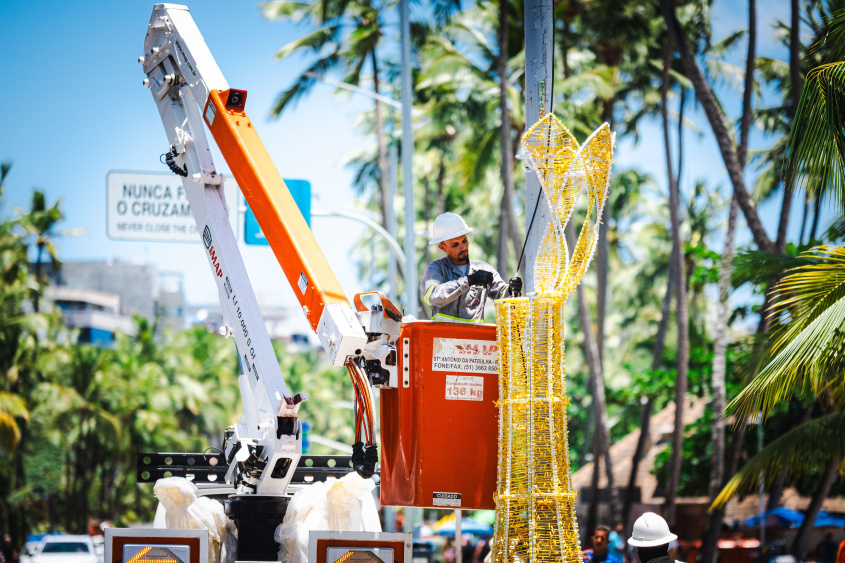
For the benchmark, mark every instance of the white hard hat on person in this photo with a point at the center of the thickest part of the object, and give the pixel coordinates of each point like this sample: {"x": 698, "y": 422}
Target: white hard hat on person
{"x": 650, "y": 530}
{"x": 448, "y": 226}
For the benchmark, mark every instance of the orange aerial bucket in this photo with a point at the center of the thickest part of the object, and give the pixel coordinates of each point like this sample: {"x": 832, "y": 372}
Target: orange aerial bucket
{"x": 439, "y": 428}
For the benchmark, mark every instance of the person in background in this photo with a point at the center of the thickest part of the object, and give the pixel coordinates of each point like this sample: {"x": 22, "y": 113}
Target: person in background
{"x": 826, "y": 551}
{"x": 599, "y": 552}
{"x": 616, "y": 541}
{"x": 467, "y": 548}
{"x": 8, "y": 553}
{"x": 449, "y": 551}
{"x": 482, "y": 548}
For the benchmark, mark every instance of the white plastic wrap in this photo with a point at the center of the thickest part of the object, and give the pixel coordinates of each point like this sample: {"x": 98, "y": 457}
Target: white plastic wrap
{"x": 345, "y": 499}
{"x": 184, "y": 510}
{"x": 307, "y": 511}
{"x": 339, "y": 505}
{"x": 176, "y": 494}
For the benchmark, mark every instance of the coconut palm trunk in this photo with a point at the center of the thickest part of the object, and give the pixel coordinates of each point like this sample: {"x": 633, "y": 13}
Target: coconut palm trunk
{"x": 591, "y": 353}
{"x": 714, "y": 116}
{"x": 720, "y": 349}
{"x": 681, "y": 310}
{"x": 506, "y": 207}
{"x": 799, "y": 546}
{"x": 795, "y": 84}
{"x": 603, "y": 258}
{"x": 597, "y": 389}
{"x": 643, "y": 442}
{"x": 720, "y": 346}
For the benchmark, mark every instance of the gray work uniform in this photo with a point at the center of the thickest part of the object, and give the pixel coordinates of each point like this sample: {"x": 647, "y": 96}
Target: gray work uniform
{"x": 446, "y": 289}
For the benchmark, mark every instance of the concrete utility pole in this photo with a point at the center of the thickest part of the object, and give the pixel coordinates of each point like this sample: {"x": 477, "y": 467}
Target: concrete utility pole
{"x": 392, "y": 227}
{"x": 411, "y": 290}
{"x": 539, "y": 48}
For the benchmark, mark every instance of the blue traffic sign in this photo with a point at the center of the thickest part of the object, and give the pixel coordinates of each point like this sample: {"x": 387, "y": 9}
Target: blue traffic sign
{"x": 301, "y": 192}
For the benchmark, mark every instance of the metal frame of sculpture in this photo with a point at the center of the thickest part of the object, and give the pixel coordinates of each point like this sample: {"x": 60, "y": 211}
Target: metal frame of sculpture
{"x": 535, "y": 518}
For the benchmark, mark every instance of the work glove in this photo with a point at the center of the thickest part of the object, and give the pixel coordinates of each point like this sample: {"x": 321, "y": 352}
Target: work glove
{"x": 515, "y": 286}
{"x": 480, "y": 277}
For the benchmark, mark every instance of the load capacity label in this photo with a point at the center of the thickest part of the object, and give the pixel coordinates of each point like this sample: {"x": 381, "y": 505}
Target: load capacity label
{"x": 464, "y": 388}
{"x": 468, "y": 356}
{"x": 446, "y": 499}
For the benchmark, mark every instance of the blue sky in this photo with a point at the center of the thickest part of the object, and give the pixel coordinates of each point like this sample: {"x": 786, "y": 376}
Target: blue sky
{"x": 78, "y": 110}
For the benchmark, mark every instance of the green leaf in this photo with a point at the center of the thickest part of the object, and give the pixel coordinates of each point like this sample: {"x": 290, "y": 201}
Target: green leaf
{"x": 311, "y": 41}
{"x": 802, "y": 451}
{"x": 816, "y": 144}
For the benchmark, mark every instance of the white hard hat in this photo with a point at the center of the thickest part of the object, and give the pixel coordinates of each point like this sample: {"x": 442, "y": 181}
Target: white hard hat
{"x": 650, "y": 530}
{"x": 448, "y": 226}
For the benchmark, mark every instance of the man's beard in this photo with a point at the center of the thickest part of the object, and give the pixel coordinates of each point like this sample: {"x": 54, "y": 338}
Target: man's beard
{"x": 463, "y": 259}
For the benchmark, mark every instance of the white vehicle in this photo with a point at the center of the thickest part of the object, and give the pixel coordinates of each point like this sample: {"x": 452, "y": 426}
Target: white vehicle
{"x": 65, "y": 549}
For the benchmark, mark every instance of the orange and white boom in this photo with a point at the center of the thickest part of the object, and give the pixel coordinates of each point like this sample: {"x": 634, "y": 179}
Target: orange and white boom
{"x": 188, "y": 88}
{"x": 305, "y": 267}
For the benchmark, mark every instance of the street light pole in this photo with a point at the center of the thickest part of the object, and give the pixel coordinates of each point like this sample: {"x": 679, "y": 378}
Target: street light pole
{"x": 409, "y": 268}
{"x": 539, "y": 46}
{"x": 392, "y": 227}
{"x": 379, "y": 230}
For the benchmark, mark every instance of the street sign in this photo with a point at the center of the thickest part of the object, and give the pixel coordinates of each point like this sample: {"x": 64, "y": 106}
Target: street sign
{"x": 301, "y": 192}
{"x": 153, "y": 206}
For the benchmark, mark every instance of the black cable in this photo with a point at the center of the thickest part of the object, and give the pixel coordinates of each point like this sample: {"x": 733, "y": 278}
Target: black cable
{"x": 528, "y": 232}
{"x": 536, "y": 205}
{"x": 171, "y": 163}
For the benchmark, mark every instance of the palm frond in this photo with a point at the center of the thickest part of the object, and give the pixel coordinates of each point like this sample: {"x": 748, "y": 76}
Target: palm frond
{"x": 303, "y": 84}
{"x": 816, "y": 144}
{"x": 720, "y": 48}
{"x": 804, "y": 451}
{"x": 4, "y": 171}
{"x": 12, "y": 407}
{"x": 314, "y": 41}
{"x": 809, "y": 290}
{"x": 832, "y": 44}
{"x": 772, "y": 70}
{"x": 759, "y": 267}
{"x": 809, "y": 358}
{"x": 836, "y": 230}
{"x": 285, "y": 10}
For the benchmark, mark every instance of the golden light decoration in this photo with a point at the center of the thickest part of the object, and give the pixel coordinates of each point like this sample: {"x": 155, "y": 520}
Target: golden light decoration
{"x": 535, "y": 504}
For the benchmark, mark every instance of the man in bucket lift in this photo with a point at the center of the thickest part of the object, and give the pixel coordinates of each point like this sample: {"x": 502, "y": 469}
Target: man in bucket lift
{"x": 456, "y": 287}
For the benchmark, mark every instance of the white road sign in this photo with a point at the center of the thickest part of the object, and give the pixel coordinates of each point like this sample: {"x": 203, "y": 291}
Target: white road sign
{"x": 153, "y": 206}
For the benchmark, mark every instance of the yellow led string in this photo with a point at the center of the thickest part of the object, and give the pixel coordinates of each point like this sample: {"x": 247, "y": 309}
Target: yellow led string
{"x": 535, "y": 518}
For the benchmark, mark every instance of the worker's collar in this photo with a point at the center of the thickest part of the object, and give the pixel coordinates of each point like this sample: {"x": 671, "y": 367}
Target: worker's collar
{"x": 457, "y": 267}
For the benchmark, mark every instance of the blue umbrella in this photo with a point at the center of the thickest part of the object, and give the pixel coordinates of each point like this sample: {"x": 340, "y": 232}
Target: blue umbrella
{"x": 788, "y": 518}
{"x": 468, "y": 526}
{"x": 827, "y": 519}
{"x": 780, "y": 516}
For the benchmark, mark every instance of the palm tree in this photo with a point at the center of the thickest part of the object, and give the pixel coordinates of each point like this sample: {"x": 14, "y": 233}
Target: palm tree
{"x": 681, "y": 309}
{"x": 716, "y": 119}
{"x": 12, "y": 294}
{"x": 807, "y": 354}
{"x": 346, "y": 39}
{"x": 464, "y": 66}
{"x": 720, "y": 347}
{"x": 39, "y": 223}
{"x": 816, "y": 148}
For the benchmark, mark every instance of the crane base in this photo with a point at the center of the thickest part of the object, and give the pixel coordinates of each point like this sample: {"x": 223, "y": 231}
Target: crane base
{"x": 257, "y": 518}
